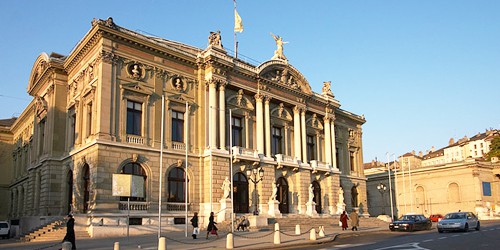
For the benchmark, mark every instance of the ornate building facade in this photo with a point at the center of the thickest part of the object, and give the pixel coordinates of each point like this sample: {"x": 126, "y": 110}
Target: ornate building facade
{"x": 119, "y": 97}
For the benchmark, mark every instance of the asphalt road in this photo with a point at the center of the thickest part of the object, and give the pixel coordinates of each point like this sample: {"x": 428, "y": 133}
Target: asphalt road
{"x": 487, "y": 238}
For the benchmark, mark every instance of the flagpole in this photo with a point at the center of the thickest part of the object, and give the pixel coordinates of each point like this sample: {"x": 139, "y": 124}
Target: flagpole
{"x": 235, "y": 37}
{"x": 186, "y": 134}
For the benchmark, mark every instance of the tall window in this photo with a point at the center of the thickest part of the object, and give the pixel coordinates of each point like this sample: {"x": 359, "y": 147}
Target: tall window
{"x": 177, "y": 126}
{"x": 134, "y": 118}
{"x": 72, "y": 128}
{"x": 134, "y": 169}
{"x": 310, "y": 148}
{"x": 351, "y": 160}
{"x": 237, "y": 130}
{"x": 89, "y": 119}
{"x": 176, "y": 185}
{"x": 276, "y": 143}
{"x": 337, "y": 156}
{"x": 42, "y": 136}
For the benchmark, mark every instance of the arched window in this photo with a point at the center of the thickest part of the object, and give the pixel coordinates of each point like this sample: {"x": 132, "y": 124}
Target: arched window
{"x": 134, "y": 169}
{"x": 176, "y": 185}
{"x": 240, "y": 193}
{"x": 453, "y": 192}
{"x": 420, "y": 196}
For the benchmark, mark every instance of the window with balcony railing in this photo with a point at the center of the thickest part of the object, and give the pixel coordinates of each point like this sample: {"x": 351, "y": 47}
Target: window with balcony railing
{"x": 237, "y": 131}
{"x": 134, "y": 118}
{"x": 277, "y": 141}
{"x": 177, "y": 126}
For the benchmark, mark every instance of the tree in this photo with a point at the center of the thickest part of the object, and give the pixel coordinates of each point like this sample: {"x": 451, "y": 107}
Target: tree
{"x": 494, "y": 148}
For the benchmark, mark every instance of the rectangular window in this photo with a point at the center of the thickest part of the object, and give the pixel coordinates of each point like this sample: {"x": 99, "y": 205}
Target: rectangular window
{"x": 42, "y": 136}
{"x": 237, "y": 130}
{"x": 481, "y": 145}
{"x": 72, "y": 128}
{"x": 276, "y": 142}
{"x": 486, "y": 188}
{"x": 337, "y": 156}
{"x": 134, "y": 118}
{"x": 177, "y": 126}
{"x": 89, "y": 119}
{"x": 310, "y": 148}
{"x": 351, "y": 160}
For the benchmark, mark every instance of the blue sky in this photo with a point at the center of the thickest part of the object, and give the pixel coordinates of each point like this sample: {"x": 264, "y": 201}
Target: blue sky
{"x": 421, "y": 71}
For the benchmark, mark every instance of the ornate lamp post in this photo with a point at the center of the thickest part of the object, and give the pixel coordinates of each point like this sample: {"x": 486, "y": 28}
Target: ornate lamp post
{"x": 255, "y": 173}
{"x": 382, "y": 188}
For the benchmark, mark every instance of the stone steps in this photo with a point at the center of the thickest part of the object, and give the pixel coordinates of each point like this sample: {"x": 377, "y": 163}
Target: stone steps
{"x": 54, "y": 231}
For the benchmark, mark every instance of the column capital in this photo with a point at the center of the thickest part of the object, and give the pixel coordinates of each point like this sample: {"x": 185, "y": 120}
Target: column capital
{"x": 222, "y": 85}
{"x": 258, "y": 97}
{"x": 296, "y": 109}
{"x": 267, "y": 99}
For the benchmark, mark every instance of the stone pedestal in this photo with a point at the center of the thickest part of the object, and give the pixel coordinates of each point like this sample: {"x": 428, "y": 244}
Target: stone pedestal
{"x": 340, "y": 208}
{"x": 311, "y": 208}
{"x": 274, "y": 210}
{"x": 257, "y": 221}
{"x": 225, "y": 210}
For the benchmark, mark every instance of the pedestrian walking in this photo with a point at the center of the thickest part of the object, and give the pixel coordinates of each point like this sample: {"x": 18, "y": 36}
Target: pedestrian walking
{"x": 70, "y": 231}
{"x": 211, "y": 228}
{"x": 343, "y": 220}
{"x": 194, "y": 222}
{"x": 354, "y": 220}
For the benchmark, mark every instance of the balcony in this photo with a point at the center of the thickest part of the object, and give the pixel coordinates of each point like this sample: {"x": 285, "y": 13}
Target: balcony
{"x": 134, "y": 205}
{"x": 178, "y": 146}
{"x": 135, "y": 139}
{"x": 240, "y": 153}
{"x": 286, "y": 160}
{"x": 177, "y": 206}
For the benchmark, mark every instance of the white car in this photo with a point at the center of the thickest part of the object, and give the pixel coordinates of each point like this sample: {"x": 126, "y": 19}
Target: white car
{"x": 4, "y": 229}
{"x": 459, "y": 221}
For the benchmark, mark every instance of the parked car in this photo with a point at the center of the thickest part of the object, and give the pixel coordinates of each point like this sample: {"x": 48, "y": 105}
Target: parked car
{"x": 411, "y": 222}
{"x": 459, "y": 221}
{"x": 4, "y": 229}
{"x": 435, "y": 217}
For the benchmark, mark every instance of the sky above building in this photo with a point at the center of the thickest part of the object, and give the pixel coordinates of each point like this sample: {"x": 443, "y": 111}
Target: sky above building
{"x": 421, "y": 71}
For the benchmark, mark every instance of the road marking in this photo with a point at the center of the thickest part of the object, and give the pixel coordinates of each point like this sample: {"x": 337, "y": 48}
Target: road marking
{"x": 410, "y": 246}
{"x": 428, "y": 240}
{"x": 455, "y": 235}
{"x": 442, "y": 238}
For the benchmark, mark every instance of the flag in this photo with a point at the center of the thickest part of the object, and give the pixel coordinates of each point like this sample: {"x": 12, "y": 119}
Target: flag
{"x": 238, "y": 24}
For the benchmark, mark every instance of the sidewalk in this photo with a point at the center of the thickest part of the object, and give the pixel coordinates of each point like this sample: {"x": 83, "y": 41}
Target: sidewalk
{"x": 177, "y": 240}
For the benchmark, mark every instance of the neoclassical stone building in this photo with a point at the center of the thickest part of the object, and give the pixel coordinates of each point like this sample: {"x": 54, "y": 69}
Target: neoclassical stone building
{"x": 452, "y": 178}
{"x": 100, "y": 111}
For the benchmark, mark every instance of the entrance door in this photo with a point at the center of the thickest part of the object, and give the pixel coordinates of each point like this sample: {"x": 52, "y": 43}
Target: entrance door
{"x": 86, "y": 188}
{"x": 240, "y": 193}
{"x": 317, "y": 196}
{"x": 282, "y": 195}
{"x": 70, "y": 190}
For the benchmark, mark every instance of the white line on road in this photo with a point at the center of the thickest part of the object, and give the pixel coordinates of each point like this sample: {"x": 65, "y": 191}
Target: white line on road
{"x": 442, "y": 238}
{"x": 428, "y": 240}
{"x": 455, "y": 235}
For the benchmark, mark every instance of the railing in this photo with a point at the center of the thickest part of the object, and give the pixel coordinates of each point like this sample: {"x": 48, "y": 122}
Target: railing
{"x": 134, "y": 205}
{"x": 135, "y": 139}
{"x": 239, "y": 151}
{"x": 178, "y": 145}
{"x": 177, "y": 206}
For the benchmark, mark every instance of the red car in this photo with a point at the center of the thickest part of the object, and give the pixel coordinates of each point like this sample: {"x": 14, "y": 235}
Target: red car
{"x": 435, "y": 217}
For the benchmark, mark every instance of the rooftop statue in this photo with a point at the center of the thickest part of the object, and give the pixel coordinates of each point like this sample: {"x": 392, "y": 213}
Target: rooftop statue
{"x": 278, "y": 53}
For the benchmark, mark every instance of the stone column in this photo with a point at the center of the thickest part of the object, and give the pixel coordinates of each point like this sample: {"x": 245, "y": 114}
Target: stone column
{"x": 287, "y": 129}
{"x": 267, "y": 120}
{"x": 212, "y": 111}
{"x": 318, "y": 148}
{"x": 303, "y": 132}
{"x": 334, "y": 148}
{"x": 222, "y": 117}
{"x": 328, "y": 143}
{"x": 247, "y": 130}
{"x": 296, "y": 132}
{"x": 260, "y": 124}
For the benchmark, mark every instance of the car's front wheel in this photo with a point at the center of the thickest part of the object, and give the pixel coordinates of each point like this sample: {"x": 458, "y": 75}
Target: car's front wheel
{"x": 478, "y": 226}
{"x": 466, "y": 227}
{"x": 440, "y": 231}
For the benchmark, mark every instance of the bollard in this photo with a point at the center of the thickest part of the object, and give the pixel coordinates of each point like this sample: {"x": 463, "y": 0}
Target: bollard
{"x": 162, "y": 243}
{"x": 312, "y": 234}
{"x": 321, "y": 231}
{"x": 277, "y": 236}
{"x": 229, "y": 241}
{"x": 117, "y": 246}
{"x": 66, "y": 245}
{"x": 297, "y": 229}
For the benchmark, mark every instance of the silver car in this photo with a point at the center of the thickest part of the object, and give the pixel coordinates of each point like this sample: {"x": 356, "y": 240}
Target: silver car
{"x": 459, "y": 221}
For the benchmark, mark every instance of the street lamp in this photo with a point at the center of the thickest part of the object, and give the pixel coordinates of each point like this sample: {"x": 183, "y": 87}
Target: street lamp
{"x": 253, "y": 172}
{"x": 382, "y": 188}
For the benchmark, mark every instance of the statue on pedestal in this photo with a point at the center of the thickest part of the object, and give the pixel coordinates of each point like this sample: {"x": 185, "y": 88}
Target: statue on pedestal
{"x": 278, "y": 53}
{"x": 226, "y": 187}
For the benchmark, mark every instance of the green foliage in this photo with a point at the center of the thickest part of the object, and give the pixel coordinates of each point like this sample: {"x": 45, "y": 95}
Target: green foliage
{"x": 494, "y": 148}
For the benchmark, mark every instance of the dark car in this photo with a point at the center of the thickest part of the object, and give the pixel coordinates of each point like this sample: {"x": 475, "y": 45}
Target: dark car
{"x": 411, "y": 222}
{"x": 435, "y": 217}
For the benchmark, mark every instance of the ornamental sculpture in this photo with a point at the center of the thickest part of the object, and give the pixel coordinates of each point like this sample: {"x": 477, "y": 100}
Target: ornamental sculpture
{"x": 278, "y": 53}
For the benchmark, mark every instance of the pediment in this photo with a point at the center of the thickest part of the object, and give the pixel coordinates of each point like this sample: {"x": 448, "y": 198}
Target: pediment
{"x": 137, "y": 87}
{"x": 284, "y": 74}
{"x": 240, "y": 100}
{"x": 282, "y": 113}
